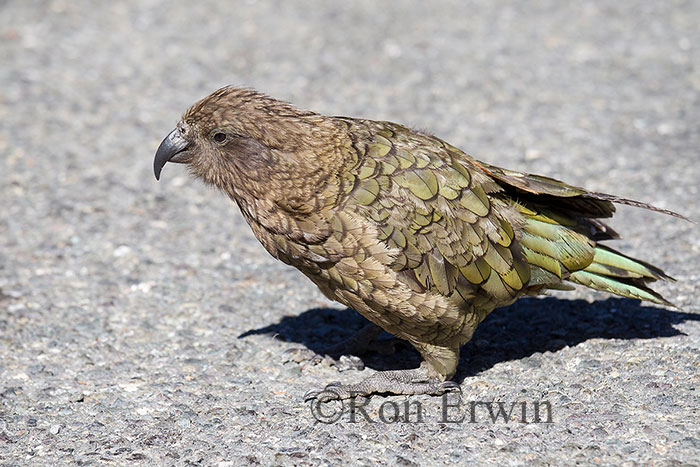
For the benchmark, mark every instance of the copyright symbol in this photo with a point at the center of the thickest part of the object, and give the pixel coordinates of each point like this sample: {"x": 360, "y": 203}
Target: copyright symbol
{"x": 327, "y": 407}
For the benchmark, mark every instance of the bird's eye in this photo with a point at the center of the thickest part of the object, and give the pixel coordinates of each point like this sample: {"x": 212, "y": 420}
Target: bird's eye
{"x": 219, "y": 137}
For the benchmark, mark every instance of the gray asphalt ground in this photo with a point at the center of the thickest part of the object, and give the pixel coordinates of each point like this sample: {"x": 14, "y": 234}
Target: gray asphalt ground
{"x": 142, "y": 323}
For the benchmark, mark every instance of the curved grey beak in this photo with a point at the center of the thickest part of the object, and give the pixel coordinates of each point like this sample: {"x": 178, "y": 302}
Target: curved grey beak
{"x": 169, "y": 148}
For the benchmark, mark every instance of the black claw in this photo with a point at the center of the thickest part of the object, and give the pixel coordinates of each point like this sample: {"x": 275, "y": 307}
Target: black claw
{"x": 451, "y": 386}
{"x": 322, "y": 395}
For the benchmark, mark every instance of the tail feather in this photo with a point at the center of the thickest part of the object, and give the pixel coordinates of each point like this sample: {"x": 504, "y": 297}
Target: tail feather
{"x": 636, "y": 204}
{"x": 618, "y": 286}
{"x": 608, "y": 262}
{"x": 559, "y": 252}
{"x": 561, "y": 233}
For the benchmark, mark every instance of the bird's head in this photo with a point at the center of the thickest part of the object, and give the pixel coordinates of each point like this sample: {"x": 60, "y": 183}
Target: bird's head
{"x": 238, "y": 136}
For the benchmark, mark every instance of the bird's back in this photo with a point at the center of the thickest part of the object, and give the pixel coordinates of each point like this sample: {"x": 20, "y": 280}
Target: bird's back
{"x": 480, "y": 234}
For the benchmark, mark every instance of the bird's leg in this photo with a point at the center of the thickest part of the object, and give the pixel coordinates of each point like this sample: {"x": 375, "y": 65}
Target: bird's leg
{"x": 361, "y": 342}
{"x": 429, "y": 378}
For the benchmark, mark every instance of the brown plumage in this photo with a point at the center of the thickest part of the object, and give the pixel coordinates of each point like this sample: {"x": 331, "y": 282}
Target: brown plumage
{"x": 414, "y": 234}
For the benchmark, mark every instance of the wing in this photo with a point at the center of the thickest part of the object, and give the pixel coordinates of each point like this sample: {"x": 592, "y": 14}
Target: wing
{"x": 573, "y": 199}
{"x": 447, "y": 219}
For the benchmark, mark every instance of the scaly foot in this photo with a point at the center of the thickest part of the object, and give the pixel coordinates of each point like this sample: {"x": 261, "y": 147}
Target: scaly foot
{"x": 415, "y": 381}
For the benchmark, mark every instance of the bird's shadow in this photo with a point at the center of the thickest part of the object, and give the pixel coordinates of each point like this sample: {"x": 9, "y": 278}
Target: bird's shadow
{"x": 510, "y": 333}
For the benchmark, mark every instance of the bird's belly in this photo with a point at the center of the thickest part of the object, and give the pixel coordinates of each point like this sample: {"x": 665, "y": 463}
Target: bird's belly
{"x": 417, "y": 317}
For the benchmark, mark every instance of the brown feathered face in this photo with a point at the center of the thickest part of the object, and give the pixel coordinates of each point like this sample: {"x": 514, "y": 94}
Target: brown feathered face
{"x": 252, "y": 146}
{"x": 223, "y": 133}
